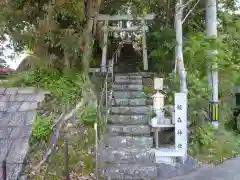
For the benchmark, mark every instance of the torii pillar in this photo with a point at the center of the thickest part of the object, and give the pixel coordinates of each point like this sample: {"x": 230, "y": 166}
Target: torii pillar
{"x": 144, "y": 47}
{"x": 104, "y": 49}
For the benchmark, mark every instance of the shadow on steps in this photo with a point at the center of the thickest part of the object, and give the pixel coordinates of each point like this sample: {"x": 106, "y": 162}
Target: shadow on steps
{"x": 130, "y": 60}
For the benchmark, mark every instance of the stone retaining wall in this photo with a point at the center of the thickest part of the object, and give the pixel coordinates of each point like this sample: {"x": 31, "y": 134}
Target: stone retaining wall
{"x": 17, "y": 112}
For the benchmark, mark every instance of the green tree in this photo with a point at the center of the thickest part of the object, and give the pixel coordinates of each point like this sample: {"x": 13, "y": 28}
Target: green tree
{"x": 60, "y": 33}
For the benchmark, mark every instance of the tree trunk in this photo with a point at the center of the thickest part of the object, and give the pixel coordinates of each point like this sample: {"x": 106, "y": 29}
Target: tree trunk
{"x": 93, "y": 7}
{"x": 179, "y": 64}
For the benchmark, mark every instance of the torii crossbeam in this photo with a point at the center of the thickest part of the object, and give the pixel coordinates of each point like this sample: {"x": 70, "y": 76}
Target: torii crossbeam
{"x": 106, "y": 18}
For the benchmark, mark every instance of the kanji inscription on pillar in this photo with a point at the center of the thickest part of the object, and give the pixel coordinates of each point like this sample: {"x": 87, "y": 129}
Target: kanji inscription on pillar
{"x": 181, "y": 122}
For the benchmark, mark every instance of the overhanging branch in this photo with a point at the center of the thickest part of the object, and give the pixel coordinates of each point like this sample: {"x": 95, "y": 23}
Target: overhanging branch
{"x": 190, "y": 11}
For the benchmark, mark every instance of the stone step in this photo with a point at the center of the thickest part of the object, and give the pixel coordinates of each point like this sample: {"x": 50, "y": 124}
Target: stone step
{"x": 142, "y": 74}
{"x": 130, "y": 101}
{"x": 128, "y": 142}
{"x": 128, "y": 119}
{"x": 166, "y": 160}
{"x": 129, "y": 155}
{"x": 170, "y": 171}
{"x": 130, "y": 172}
{"x": 128, "y": 79}
{"x": 132, "y": 87}
{"x": 128, "y": 130}
{"x": 128, "y": 94}
{"x": 131, "y": 110}
{"x": 167, "y": 154}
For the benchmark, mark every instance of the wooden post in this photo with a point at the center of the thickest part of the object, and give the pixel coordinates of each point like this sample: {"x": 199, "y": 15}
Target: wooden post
{"x": 96, "y": 151}
{"x": 144, "y": 48}
{"x": 4, "y": 170}
{"x": 104, "y": 49}
{"x": 66, "y": 160}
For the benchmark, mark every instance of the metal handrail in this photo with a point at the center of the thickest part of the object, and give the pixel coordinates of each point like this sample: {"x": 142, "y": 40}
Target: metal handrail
{"x": 110, "y": 69}
{"x": 104, "y": 92}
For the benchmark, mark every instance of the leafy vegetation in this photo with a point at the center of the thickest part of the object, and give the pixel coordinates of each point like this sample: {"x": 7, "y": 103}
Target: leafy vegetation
{"x": 41, "y": 129}
{"x": 81, "y": 152}
{"x": 67, "y": 87}
{"x": 89, "y": 115}
{"x": 205, "y": 143}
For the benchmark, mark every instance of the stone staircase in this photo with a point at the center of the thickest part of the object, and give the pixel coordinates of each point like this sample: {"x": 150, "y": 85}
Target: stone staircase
{"x": 127, "y": 149}
{"x": 129, "y": 61}
{"x": 127, "y": 146}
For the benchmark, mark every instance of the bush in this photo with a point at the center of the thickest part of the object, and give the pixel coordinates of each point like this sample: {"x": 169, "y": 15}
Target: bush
{"x": 41, "y": 129}
{"x": 88, "y": 115}
{"x": 202, "y": 137}
{"x": 67, "y": 87}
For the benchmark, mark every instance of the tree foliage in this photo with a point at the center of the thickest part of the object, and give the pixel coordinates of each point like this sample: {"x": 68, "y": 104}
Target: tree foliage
{"x": 196, "y": 62}
{"x": 57, "y": 32}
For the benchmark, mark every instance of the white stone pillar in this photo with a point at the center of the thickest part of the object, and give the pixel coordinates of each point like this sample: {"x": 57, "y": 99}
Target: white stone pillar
{"x": 144, "y": 47}
{"x": 181, "y": 132}
{"x": 104, "y": 49}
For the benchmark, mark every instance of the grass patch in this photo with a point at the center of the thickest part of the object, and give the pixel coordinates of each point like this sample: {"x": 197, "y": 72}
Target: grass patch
{"x": 41, "y": 128}
{"x": 81, "y": 156}
{"x": 224, "y": 145}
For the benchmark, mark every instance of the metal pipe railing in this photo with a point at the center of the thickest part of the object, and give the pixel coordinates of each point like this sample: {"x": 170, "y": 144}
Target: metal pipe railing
{"x": 103, "y": 107}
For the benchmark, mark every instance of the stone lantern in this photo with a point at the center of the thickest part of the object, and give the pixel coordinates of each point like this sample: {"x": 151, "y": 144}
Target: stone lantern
{"x": 158, "y": 102}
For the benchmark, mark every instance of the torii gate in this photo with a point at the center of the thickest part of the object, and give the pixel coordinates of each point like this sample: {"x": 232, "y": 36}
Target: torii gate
{"x": 107, "y": 28}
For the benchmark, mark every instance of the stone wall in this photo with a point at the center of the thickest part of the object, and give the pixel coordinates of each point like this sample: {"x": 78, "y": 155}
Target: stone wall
{"x": 17, "y": 112}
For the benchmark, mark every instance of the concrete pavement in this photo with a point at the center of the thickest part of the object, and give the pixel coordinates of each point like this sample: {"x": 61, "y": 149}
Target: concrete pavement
{"x": 228, "y": 170}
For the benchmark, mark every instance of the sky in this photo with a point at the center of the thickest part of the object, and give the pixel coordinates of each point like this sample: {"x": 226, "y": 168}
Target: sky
{"x": 238, "y": 4}
{"x": 13, "y": 61}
